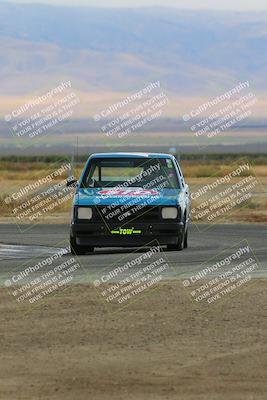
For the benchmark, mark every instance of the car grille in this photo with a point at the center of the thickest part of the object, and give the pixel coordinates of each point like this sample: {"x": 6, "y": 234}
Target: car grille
{"x": 122, "y": 215}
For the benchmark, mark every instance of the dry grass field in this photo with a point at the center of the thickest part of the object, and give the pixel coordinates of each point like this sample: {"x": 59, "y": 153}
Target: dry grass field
{"x": 16, "y": 175}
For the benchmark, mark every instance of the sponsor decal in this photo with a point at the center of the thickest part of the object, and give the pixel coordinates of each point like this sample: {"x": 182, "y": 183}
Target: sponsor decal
{"x": 136, "y": 192}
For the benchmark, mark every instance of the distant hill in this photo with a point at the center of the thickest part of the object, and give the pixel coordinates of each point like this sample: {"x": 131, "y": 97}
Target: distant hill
{"x": 190, "y": 52}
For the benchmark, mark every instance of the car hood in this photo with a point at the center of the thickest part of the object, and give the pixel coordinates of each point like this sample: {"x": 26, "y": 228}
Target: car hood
{"x": 134, "y": 196}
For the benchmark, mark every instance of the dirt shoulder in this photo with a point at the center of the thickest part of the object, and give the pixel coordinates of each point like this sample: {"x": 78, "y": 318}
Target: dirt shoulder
{"x": 160, "y": 347}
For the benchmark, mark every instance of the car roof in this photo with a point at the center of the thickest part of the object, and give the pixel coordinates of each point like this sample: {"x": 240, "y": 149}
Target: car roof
{"x": 131, "y": 155}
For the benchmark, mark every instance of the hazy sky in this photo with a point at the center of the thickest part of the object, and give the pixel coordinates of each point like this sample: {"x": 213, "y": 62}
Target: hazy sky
{"x": 241, "y": 5}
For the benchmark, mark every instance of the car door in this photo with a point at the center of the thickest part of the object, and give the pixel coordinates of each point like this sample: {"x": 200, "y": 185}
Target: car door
{"x": 185, "y": 190}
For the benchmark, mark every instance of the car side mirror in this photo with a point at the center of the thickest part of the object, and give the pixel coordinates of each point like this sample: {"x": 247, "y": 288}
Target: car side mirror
{"x": 71, "y": 182}
{"x": 186, "y": 187}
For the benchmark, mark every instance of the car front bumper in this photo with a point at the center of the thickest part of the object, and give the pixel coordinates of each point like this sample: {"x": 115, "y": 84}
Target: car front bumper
{"x": 100, "y": 235}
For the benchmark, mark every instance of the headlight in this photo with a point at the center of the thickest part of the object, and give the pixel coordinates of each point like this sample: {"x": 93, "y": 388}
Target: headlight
{"x": 169, "y": 213}
{"x": 85, "y": 213}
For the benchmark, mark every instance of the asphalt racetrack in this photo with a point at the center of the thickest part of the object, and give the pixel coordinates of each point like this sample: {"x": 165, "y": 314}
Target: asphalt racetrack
{"x": 24, "y": 247}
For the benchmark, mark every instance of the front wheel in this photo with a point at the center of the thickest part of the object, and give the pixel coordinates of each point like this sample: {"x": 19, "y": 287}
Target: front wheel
{"x": 79, "y": 250}
{"x": 186, "y": 239}
{"x": 179, "y": 246}
{"x": 182, "y": 242}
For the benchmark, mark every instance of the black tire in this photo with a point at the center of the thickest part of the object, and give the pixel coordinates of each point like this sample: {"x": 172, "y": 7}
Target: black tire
{"x": 180, "y": 244}
{"x": 186, "y": 239}
{"x": 79, "y": 250}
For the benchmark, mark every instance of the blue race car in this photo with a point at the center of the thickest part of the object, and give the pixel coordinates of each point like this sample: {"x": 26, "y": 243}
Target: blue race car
{"x": 130, "y": 199}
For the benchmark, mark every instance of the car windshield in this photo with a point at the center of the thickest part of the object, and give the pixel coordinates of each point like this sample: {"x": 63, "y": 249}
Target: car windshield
{"x": 148, "y": 173}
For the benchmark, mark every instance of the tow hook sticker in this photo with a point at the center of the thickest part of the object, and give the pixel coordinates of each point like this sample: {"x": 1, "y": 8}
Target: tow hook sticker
{"x": 126, "y": 231}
